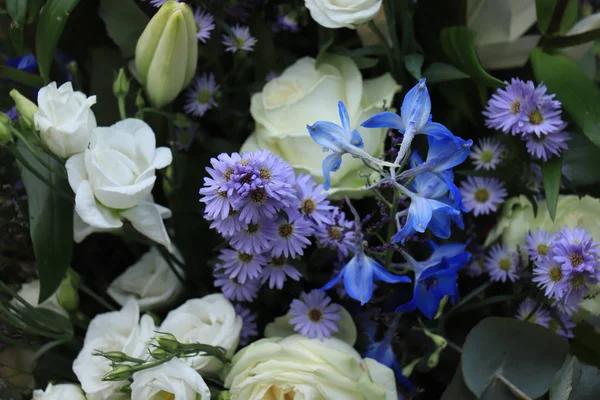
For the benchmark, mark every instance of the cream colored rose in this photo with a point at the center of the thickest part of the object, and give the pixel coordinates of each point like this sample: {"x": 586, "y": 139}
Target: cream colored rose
{"x": 59, "y": 392}
{"x": 305, "y": 93}
{"x": 342, "y": 13}
{"x": 300, "y": 368}
{"x": 210, "y": 320}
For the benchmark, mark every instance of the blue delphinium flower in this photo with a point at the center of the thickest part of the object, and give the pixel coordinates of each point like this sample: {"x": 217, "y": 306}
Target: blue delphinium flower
{"x": 435, "y": 277}
{"x": 27, "y": 63}
{"x": 340, "y": 140}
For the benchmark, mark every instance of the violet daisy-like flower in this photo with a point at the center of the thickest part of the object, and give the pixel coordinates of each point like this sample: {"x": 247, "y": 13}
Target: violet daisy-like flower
{"x": 541, "y": 113}
{"x": 292, "y": 235}
{"x": 539, "y": 244}
{"x": 249, "y": 328}
{"x": 563, "y": 328}
{"x": 502, "y": 264}
{"x": 240, "y": 39}
{"x": 214, "y": 193}
{"x": 159, "y": 3}
{"x": 314, "y": 316}
{"x": 487, "y": 154}
{"x": 482, "y": 195}
{"x": 286, "y": 22}
{"x": 575, "y": 250}
{"x": 229, "y": 225}
{"x": 185, "y": 137}
{"x": 205, "y": 23}
{"x": 505, "y": 108}
{"x": 546, "y": 146}
{"x": 200, "y": 97}
{"x": 234, "y": 290}
{"x": 575, "y": 287}
{"x": 277, "y": 271}
{"x": 313, "y": 200}
{"x": 255, "y": 237}
{"x": 548, "y": 275}
{"x": 529, "y": 311}
{"x": 476, "y": 267}
{"x": 338, "y": 235}
{"x": 241, "y": 266}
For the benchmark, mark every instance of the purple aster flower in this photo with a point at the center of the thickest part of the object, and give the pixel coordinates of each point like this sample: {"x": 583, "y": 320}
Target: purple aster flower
{"x": 214, "y": 192}
{"x": 185, "y": 137}
{"x": 255, "y": 237}
{"x": 200, "y": 97}
{"x": 12, "y": 113}
{"x": 476, "y": 267}
{"x": 338, "y": 235}
{"x": 249, "y": 329}
{"x": 292, "y": 235}
{"x": 538, "y": 244}
{"x": 277, "y": 271}
{"x": 563, "y": 328}
{"x": 574, "y": 288}
{"x": 240, "y": 39}
{"x": 241, "y": 266}
{"x": 205, "y": 23}
{"x": 529, "y": 311}
{"x": 482, "y": 195}
{"x": 234, "y": 290}
{"x": 548, "y": 275}
{"x": 541, "y": 113}
{"x": 502, "y": 264}
{"x": 229, "y": 225}
{"x": 287, "y": 22}
{"x": 505, "y": 109}
{"x": 546, "y": 146}
{"x": 487, "y": 154}
{"x": 159, "y": 3}
{"x": 575, "y": 250}
{"x": 313, "y": 316}
{"x": 313, "y": 200}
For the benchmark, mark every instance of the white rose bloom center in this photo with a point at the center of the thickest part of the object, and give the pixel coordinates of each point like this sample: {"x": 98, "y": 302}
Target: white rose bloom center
{"x": 342, "y": 13}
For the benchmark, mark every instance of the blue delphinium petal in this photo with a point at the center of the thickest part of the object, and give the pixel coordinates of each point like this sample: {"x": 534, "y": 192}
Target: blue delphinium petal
{"x": 382, "y": 274}
{"x": 383, "y": 352}
{"x": 331, "y": 163}
{"x": 344, "y": 118}
{"x": 416, "y": 106}
{"x": 328, "y": 135}
{"x": 386, "y": 119}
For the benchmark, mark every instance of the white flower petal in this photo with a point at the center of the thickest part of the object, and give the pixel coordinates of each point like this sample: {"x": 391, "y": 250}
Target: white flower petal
{"x": 92, "y": 212}
{"x": 146, "y": 219}
{"x": 76, "y": 171}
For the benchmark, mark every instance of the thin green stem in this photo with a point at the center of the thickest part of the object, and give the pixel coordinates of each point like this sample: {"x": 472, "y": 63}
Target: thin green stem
{"x": 384, "y": 43}
{"x": 35, "y": 154}
{"x": 121, "y": 104}
{"x": 97, "y": 298}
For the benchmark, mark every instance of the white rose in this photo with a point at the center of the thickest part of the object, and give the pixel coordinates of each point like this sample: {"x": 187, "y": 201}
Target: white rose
{"x": 150, "y": 281}
{"x": 342, "y": 14}
{"x": 64, "y": 119}
{"x": 59, "y": 392}
{"x": 304, "y": 94}
{"x": 298, "y": 367}
{"x": 500, "y": 26}
{"x": 113, "y": 179}
{"x": 172, "y": 380}
{"x": 210, "y": 320}
{"x": 30, "y": 292}
{"x": 113, "y": 331}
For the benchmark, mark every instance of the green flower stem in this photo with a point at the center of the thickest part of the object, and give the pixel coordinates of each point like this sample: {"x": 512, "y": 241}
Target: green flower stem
{"x": 121, "y": 104}
{"x": 97, "y": 298}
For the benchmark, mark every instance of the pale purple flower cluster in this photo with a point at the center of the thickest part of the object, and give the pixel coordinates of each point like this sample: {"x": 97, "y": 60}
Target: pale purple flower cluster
{"x": 520, "y": 108}
{"x": 536, "y": 313}
{"x": 313, "y": 316}
{"x": 267, "y": 215}
{"x": 564, "y": 264}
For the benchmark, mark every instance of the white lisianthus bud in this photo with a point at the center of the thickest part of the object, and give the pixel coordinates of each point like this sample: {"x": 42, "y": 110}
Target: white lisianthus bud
{"x": 25, "y": 107}
{"x": 172, "y": 380}
{"x": 166, "y": 53}
{"x": 346, "y": 14}
{"x": 64, "y": 119}
{"x": 114, "y": 177}
{"x": 59, "y": 392}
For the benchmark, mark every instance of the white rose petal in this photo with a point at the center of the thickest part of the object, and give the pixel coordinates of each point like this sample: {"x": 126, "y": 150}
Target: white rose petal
{"x": 174, "y": 379}
{"x": 30, "y": 292}
{"x": 342, "y": 14}
{"x": 150, "y": 281}
{"x": 210, "y": 320}
{"x": 64, "y": 119}
{"x": 59, "y": 392}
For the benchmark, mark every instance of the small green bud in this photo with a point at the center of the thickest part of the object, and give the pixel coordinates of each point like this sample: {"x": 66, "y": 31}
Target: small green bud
{"x": 182, "y": 121}
{"x": 168, "y": 342}
{"x": 120, "y": 373}
{"x": 121, "y": 84}
{"x": 68, "y": 297}
{"x": 159, "y": 353}
{"x": 5, "y": 124}
{"x": 408, "y": 369}
{"x": 440, "y": 344}
{"x": 25, "y": 107}
{"x": 139, "y": 99}
{"x": 118, "y": 357}
{"x": 441, "y": 307}
{"x": 224, "y": 395}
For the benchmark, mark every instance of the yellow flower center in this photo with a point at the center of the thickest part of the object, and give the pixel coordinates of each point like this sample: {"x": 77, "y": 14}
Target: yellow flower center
{"x": 162, "y": 395}
{"x": 555, "y": 274}
{"x": 286, "y": 230}
{"x": 487, "y": 156}
{"x": 308, "y": 206}
{"x": 481, "y": 195}
{"x": 505, "y": 264}
{"x": 536, "y": 117}
{"x": 204, "y": 96}
{"x": 542, "y": 249}
{"x": 515, "y": 107}
{"x": 576, "y": 259}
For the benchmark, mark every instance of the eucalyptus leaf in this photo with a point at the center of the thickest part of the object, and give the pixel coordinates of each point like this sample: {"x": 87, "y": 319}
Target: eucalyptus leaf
{"x": 50, "y": 221}
{"x": 457, "y": 389}
{"x": 458, "y": 43}
{"x": 413, "y": 64}
{"x": 498, "y": 390}
{"x": 524, "y": 354}
{"x": 575, "y": 381}
{"x": 53, "y": 18}
{"x": 586, "y": 343}
{"x": 441, "y": 72}
{"x": 125, "y": 22}
{"x": 579, "y": 95}
{"x": 551, "y": 173}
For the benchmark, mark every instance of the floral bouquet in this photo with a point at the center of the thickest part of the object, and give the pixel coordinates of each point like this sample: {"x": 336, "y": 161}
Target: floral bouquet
{"x": 300, "y": 199}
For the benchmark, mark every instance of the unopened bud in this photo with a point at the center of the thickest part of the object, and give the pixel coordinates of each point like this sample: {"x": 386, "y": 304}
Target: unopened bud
{"x": 120, "y": 373}
{"x": 68, "y": 297}
{"x": 5, "y": 135}
{"x": 224, "y": 395}
{"x": 441, "y": 307}
{"x": 182, "y": 121}
{"x": 25, "y": 107}
{"x": 121, "y": 84}
{"x": 139, "y": 100}
{"x": 408, "y": 370}
{"x": 159, "y": 353}
{"x": 440, "y": 344}
{"x": 168, "y": 342}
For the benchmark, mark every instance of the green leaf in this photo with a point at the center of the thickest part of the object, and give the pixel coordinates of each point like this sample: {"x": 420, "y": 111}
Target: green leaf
{"x": 498, "y": 390}
{"x": 52, "y": 22}
{"x": 50, "y": 222}
{"x": 551, "y": 173}
{"x": 459, "y": 45}
{"x": 323, "y": 51}
{"x": 575, "y": 381}
{"x": 16, "y": 34}
{"x": 582, "y": 161}
{"x": 23, "y": 77}
{"x": 17, "y": 9}
{"x": 457, "y": 389}
{"x": 586, "y": 344}
{"x": 33, "y": 10}
{"x": 125, "y": 22}
{"x": 579, "y": 95}
{"x": 566, "y": 15}
{"x": 524, "y": 354}
{"x": 441, "y": 72}
{"x": 413, "y": 64}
